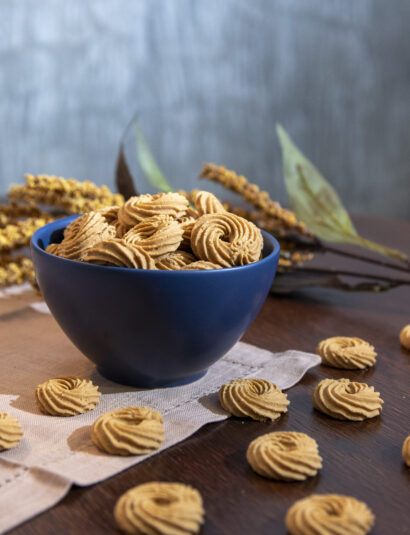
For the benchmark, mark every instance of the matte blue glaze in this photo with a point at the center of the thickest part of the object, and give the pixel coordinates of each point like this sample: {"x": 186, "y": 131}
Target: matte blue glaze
{"x": 151, "y": 328}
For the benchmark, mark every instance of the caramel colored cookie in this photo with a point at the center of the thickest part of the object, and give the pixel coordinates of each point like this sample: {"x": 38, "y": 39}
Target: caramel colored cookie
{"x": 284, "y": 455}
{"x": 157, "y": 235}
{"x": 175, "y": 261}
{"x": 82, "y": 234}
{"x": 346, "y": 400}
{"x": 406, "y": 451}
{"x": 200, "y": 265}
{"x": 226, "y": 239}
{"x": 206, "y": 203}
{"x": 329, "y": 514}
{"x": 119, "y": 253}
{"x": 160, "y": 509}
{"x": 67, "y": 396}
{"x": 128, "y": 431}
{"x": 136, "y": 209}
{"x": 253, "y": 398}
{"x": 10, "y": 431}
{"x": 187, "y": 224}
{"x": 347, "y": 353}
{"x": 405, "y": 337}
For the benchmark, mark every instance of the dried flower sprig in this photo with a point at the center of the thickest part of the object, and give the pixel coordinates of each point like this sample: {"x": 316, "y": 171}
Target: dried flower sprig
{"x": 10, "y": 213}
{"x": 15, "y": 235}
{"x": 69, "y": 194}
{"x": 16, "y": 270}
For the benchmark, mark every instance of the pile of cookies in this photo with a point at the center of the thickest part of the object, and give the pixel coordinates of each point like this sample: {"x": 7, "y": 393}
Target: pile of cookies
{"x": 163, "y": 231}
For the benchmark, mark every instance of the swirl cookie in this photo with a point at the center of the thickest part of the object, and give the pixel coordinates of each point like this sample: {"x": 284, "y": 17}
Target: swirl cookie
{"x": 284, "y": 455}
{"x": 206, "y": 203}
{"x": 405, "y": 337}
{"x": 10, "y": 431}
{"x": 67, "y": 396}
{"x": 110, "y": 214}
{"x": 346, "y": 400}
{"x": 329, "y": 514}
{"x": 226, "y": 239}
{"x": 128, "y": 431}
{"x": 82, "y": 234}
{"x": 119, "y": 253}
{"x": 157, "y": 235}
{"x": 200, "y": 265}
{"x": 253, "y": 398}
{"x": 160, "y": 509}
{"x": 187, "y": 224}
{"x": 177, "y": 260}
{"x": 346, "y": 353}
{"x": 139, "y": 208}
{"x": 405, "y": 451}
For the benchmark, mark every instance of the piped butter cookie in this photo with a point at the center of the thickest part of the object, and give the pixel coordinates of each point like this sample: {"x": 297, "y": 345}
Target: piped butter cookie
{"x": 253, "y": 398}
{"x": 346, "y": 353}
{"x": 10, "y": 431}
{"x": 160, "y": 509}
{"x": 284, "y": 455}
{"x": 346, "y": 400}
{"x": 329, "y": 514}
{"x": 67, "y": 396}
{"x": 128, "y": 431}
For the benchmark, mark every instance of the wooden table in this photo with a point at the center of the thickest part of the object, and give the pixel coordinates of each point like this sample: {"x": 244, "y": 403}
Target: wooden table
{"x": 361, "y": 459}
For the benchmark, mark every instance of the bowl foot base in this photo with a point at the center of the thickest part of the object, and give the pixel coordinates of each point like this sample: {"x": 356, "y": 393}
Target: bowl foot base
{"x": 146, "y": 382}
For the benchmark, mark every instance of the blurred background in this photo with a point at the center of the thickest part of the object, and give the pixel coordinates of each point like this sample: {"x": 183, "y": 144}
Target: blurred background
{"x": 210, "y": 79}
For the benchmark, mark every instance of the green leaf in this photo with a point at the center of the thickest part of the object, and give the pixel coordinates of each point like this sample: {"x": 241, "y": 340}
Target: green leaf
{"x": 317, "y": 204}
{"x": 152, "y": 172}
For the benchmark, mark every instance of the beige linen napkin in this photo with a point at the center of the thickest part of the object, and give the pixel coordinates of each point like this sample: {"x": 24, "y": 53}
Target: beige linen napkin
{"x": 57, "y": 452}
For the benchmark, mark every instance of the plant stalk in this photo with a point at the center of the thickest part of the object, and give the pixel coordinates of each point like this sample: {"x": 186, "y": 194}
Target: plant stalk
{"x": 350, "y": 274}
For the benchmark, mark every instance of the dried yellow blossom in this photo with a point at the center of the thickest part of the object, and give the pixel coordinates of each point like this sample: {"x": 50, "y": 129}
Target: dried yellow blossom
{"x": 16, "y": 271}
{"x": 69, "y": 194}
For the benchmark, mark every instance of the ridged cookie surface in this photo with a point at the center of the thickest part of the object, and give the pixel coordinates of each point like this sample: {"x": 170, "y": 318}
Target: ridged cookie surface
{"x": 10, "y": 431}
{"x": 226, "y": 239}
{"x": 347, "y": 353}
{"x": 253, "y": 398}
{"x": 160, "y": 509}
{"x": 129, "y": 431}
{"x": 67, "y": 396}
{"x": 329, "y": 514}
{"x": 346, "y": 400}
{"x": 284, "y": 455}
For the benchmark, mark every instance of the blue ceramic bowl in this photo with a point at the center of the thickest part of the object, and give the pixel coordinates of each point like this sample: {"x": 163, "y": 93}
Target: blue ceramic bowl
{"x": 150, "y": 328}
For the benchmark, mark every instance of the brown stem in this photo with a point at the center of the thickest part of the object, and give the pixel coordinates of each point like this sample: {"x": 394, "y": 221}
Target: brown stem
{"x": 349, "y": 274}
{"x": 335, "y": 250}
{"x": 317, "y": 245}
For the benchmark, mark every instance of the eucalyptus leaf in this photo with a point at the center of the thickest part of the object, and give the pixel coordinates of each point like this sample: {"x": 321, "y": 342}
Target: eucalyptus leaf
{"x": 316, "y": 203}
{"x": 152, "y": 172}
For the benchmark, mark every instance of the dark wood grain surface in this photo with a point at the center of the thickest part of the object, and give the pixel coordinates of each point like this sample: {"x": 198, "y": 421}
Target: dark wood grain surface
{"x": 361, "y": 459}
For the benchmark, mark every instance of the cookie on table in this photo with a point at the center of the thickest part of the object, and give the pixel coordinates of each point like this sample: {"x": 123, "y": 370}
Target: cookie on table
{"x": 161, "y": 509}
{"x": 285, "y": 456}
{"x": 67, "y": 396}
{"x": 329, "y": 514}
{"x": 346, "y": 353}
{"x": 406, "y": 451}
{"x": 405, "y": 337}
{"x": 346, "y": 400}
{"x": 10, "y": 431}
{"x": 129, "y": 431}
{"x": 253, "y": 398}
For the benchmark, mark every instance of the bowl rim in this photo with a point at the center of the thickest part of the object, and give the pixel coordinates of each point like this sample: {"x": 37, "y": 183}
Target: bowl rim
{"x": 60, "y": 224}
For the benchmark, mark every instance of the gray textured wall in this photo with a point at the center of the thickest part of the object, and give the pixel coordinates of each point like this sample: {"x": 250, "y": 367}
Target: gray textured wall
{"x": 211, "y": 78}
